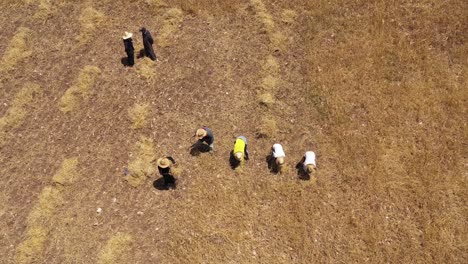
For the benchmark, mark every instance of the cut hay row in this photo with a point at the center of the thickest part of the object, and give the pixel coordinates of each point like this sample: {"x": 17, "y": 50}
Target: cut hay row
{"x": 172, "y": 19}
{"x": 83, "y": 84}
{"x": 50, "y": 198}
{"x": 146, "y": 70}
{"x": 18, "y": 49}
{"x": 156, "y": 5}
{"x": 270, "y": 70}
{"x": 138, "y": 115}
{"x": 90, "y": 20}
{"x": 263, "y": 16}
{"x": 45, "y": 8}
{"x": 115, "y": 249}
{"x": 140, "y": 166}
{"x": 17, "y": 112}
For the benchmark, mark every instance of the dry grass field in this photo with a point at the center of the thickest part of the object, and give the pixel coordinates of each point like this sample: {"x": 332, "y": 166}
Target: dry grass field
{"x": 378, "y": 89}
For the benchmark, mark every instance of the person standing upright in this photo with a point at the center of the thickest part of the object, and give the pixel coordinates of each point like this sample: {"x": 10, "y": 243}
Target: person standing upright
{"x": 129, "y": 49}
{"x": 148, "y": 43}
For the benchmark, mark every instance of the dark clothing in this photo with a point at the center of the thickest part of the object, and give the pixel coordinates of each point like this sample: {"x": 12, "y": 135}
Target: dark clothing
{"x": 169, "y": 180}
{"x": 167, "y": 170}
{"x": 129, "y": 49}
{"x": 148, "y": 44}
{"x": 246, "y": 153}
{"x": 209, "y": 138}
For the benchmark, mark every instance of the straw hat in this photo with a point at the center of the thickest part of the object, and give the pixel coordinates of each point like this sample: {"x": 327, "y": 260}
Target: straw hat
{"x": 238, "y": 156}
{"x": 201, "y": 133}
{"x": 163, "y": 162}
{"x": 280, "y": 160}
{"x": 310, "y": 168}
{"x": 127, "y": 35}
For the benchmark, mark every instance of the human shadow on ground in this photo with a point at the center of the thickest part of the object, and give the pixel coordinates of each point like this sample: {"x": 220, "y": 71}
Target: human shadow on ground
{"x": 124, "y": 61}
{"x": 198, "y": 148}
{"x": 141, "y": 54}
{"x": 271, "y": 162}
{"x": 161, "y": 185}
{"x": 233, "y": 162}
{"x": 301, "y": 173}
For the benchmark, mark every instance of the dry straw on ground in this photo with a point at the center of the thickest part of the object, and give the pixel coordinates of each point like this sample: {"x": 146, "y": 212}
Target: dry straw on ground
{"x": 30, "y": 249}
{"x": 288, "y": 16}
{"x": 80, "y": 90}
{"x": 156, "y": 5}
{"x": 17, "y": 112}
{"x": 141, "y": 165}
{"x": 138, "y": 115}
{"x": 266, "y": 99}
{"x": 271, "y": 65}
{"x": 68, "y": 172}
{"x": 45, "y": 9}
{"x": 172, "y": 19}
{"x": 267, "y": 128}
{"x": 210, "y": 7}
{"x": 115, "y": 249}
{"x": 50, "y": 198}
{"x": 263, "y": 15}
{"x": 18, "y": 49}
{"x": 269, "y": 83}
{"x": 90, "y": 20}
{"x": 146, "y": 69}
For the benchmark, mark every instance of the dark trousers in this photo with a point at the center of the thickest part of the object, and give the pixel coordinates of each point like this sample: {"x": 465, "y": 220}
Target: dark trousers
{"x": 169, "y": 180}
{"x": 150, "y": 52}
{"x": 131, "y": 58}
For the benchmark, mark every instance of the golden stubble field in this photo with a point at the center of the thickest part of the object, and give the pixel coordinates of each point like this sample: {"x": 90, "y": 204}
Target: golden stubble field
{"x": 378, "y": 89}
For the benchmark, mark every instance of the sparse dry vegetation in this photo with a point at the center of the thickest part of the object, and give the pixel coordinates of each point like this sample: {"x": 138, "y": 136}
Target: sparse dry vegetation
{"x": 38, "y": 227}
{"x": 30, "y": 248}
{"x": 377, "y": 89}
{"x": 18, "y": 49}
{"x": 80, "y": 90}
{"x": 172, "y": 19}
{"x": 45, "y": 9}
{"x": 266, "y": 99}
{"x": 138, "y": 115}
{"x": 146, "y": 69}
{"x": 116, "y": 248}
{"x": 68, "y": 172}
{"x": 267, "y": 128}
{"x": 90, "y": 20}
{"x": 141, "y": 165}
{"x": 17, "y": 111}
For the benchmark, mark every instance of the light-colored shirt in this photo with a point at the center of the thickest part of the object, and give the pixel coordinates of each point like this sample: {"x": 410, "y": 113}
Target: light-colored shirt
{"x": 278, "y": 151}
{"x": 309, "y": 159}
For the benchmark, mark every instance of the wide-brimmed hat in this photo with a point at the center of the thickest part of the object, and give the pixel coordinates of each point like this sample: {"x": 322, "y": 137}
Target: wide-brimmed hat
{"x": 127, "y": 35}
{"x": 163, "y": 162}
{"x": 310, "y": 168}
{"x": 201, "y": 133}
{"x": 280, "y": 160}
{"x": 238, "y": 156}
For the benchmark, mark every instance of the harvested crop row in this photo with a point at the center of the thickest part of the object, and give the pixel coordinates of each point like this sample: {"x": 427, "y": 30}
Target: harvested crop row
{"x": 50, "y": 198}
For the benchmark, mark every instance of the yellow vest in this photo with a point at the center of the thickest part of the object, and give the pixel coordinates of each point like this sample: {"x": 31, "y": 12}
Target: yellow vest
{"x": 239, "y": 146}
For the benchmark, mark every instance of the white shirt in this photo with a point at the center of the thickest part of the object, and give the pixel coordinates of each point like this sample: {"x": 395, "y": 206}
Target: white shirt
{"x": 309, "y": 159}
{"x": 278, "y": 151}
